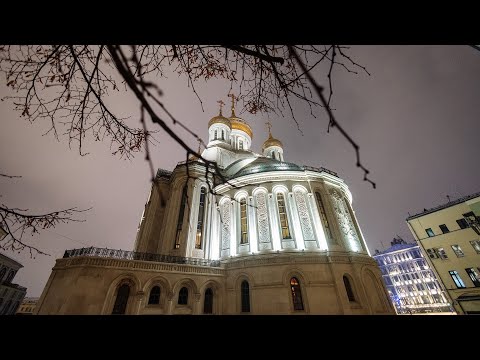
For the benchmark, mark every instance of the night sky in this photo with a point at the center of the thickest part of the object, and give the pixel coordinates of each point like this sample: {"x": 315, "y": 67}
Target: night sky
{"x": 416, "y": 120}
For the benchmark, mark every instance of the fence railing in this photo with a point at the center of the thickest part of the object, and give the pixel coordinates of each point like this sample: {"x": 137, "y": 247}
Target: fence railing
{"x": 134, "y": 255}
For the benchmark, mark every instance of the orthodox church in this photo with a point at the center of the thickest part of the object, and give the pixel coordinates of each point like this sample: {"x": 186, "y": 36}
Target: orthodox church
{"x": 252, "y": 234}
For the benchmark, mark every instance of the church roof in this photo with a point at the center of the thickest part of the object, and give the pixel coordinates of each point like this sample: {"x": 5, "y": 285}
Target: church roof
{"x": 264, "y": 164}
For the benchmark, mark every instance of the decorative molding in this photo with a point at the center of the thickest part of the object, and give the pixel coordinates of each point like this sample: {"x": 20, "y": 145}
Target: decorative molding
{"x": 225, "y": 228}
{"x": 345, "y": 221}
{"x": 264, "y": 236}
{"x": 303, "y": 214}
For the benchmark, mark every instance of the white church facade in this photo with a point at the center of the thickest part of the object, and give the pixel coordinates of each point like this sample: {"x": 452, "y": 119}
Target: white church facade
{"x": 255, "y": 235}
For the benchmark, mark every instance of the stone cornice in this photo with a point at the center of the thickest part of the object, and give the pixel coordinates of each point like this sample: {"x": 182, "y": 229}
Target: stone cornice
{"x": 122, "y": 264}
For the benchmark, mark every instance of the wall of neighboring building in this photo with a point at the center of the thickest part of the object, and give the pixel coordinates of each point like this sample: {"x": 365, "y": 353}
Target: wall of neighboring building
{"x": 27, "y": 306}
{"x": 454, "y": 251}
{"x": 11, "y": 295}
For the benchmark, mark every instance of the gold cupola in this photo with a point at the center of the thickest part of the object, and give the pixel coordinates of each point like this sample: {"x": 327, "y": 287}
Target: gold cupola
{"x": 271, "y": 141}
{"x": 238, "y": 123}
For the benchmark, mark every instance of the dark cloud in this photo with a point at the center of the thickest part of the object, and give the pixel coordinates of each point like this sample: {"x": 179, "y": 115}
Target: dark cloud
{"x": 415, "y": 119}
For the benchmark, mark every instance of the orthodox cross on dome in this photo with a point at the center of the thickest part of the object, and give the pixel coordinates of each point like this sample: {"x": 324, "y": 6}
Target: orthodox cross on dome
{"x": 233, "y": 103}
{"x": 269, "y": 125}
{"x": 221, "y": 106}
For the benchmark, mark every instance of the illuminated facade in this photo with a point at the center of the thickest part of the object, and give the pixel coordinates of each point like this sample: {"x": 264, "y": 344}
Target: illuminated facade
{"x": 411, "y": 284}
{"x": 256, "y": 235}
{"x": 449, "y": 236}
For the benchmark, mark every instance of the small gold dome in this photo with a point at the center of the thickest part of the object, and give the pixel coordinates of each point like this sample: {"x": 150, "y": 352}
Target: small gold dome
{"x": 220, "y": 119}
{"x": 242, "y": 125}
{"x": 271, "y": 141}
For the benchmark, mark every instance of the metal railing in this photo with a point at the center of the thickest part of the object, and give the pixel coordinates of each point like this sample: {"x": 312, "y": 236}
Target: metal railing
{"x": 320, "y": 169}
{"x": 133, "y": 255}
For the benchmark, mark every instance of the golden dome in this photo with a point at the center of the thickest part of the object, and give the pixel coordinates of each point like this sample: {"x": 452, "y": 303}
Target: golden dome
{"x": 271, "y": 141}
{"x": 219, "y": 119}
{"x": 242, "y": 125}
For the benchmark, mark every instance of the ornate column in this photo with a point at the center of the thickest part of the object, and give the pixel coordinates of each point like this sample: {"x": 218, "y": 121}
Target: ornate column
{"x": 305, "y": 220}
{"x": 316, "y": 222}
{"x": 233, "y": 227}
{"x": 274, "y": 222}
{"x": 225, "y": 228}
{"x": 252, "y": 226}
{"x": 264, "y": 232}
{"x": 292, "y": 204}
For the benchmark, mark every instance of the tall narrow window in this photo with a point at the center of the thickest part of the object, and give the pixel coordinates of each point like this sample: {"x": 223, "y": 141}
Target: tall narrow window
{"x": 473, "y": 276}
{"x": 430, "y": 232}
{"x": 121, "y": 301}
{"x": 273, "y": 155}
{"x": 208, "y": 303}
{"x": 296, "y": 294}
{"x": 215, "y": 135}
{"x": 240, "y": 144}
{"x": 444, "y": 228}
{"x": 462, "y": 223}
{"x": 282, "y": 214}
{"x": 183, "y": 296}
{"x": 223, "y": 134}
{"x": 475, "y": 244}
{"x": 323, "y": 216}
{"x": 180, "y": 217}
{"x": 348, "y": 288}
{"x": 154, "y": 297}
{"x": 458, "y": 250}
{"x": 245, "y": 296}
{"x": 456, "y": 278}
{"x": 201, "y": 211}
{"x": 243, "y": 222}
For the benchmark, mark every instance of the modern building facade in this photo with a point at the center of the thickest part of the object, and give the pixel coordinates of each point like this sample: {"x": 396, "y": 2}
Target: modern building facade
{"x": 27, "y": 306}
{"x": 248, "y": 234}
{"x": 411, "y": 284}
{"x": 449, "y": 235}
{"x": 11, "y": 295}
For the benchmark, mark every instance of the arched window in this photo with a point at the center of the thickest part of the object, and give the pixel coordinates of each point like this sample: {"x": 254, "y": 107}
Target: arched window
{"x": 243, "y": 222}
{"x": 282, "y": 214}
{"x": 121, "y": 300}
{"x": 240, "y": 144}
{"x": 273, "y": 155}
{"x": 10, "y": 276}
{"x": 296, "y": 294}
{"x": 215, "y": 135}
{"x": 154, "y": 297}
{"x": 180, "y": 217}
{"x": 208, "y": 303}
{"x": 245, "y": 296}
{"x": 323, "y": 216}
{"x": 201, "y": 211}
{"x": 348, "y": 287}
{"x": 2, "y": 273}
{"x": 223, "y": 134}
{"x": 183, "y": 296}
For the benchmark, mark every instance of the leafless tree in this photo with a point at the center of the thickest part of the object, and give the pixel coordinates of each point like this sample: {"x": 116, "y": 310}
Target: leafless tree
{"x": 16, "y": 223}
{"x": 68, "y": 86}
